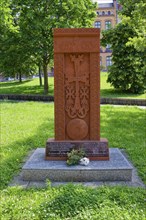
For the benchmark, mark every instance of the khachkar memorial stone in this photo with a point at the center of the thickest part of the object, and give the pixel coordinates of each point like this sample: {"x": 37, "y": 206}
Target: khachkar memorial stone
{"x": 77, "y": 95}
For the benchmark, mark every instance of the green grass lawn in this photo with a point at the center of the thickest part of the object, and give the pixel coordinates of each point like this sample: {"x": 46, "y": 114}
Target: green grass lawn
{"x": 108, "y": 91}
{"x": 32, "y": 87}
{"x": 27, "y": 125}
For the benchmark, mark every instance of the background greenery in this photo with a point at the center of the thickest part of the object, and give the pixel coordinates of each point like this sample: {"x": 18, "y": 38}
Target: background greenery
{"x": 27, "y": 41}
{"x": 128, "y": 43}
{"x": 32, "y": 87}
{"x": 27, "y": 32}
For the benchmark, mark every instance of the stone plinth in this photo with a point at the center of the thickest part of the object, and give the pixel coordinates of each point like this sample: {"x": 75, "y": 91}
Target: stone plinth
{"x": 117, "y": 168}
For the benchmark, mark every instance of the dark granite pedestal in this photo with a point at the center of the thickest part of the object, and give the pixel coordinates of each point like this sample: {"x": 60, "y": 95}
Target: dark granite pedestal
{"x": 94, "y": 150}
{"x": 117, "y": 168}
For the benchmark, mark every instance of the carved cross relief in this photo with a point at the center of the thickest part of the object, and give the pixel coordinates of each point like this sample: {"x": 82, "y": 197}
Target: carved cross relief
{"x": 77, "y": 89}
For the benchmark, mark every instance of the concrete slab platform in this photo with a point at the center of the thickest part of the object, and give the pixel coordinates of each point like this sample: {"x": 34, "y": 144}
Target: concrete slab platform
{"x": 37, "y": 168}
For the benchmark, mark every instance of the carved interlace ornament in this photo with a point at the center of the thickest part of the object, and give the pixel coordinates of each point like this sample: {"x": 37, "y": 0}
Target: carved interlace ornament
{"x": 77, "y": 90}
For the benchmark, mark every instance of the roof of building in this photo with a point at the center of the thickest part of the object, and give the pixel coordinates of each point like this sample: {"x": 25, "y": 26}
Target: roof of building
{"x": 104, "y": 1}
{"x": 106, "y": 5}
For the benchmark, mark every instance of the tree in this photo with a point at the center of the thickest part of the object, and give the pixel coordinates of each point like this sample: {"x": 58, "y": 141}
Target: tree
{"x": 14, "y": 59}
{"x": 137, "y": 20}
{"x": 36, "y": 19}
{"x": 128, "y": 70}
{"x": 6, "y": 21}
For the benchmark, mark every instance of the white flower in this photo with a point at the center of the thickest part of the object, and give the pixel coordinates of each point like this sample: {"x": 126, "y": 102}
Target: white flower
{"x": 84, "y": 161}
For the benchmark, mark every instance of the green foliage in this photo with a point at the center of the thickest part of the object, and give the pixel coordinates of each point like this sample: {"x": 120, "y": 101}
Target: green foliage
{"x": 34, "y": 21}
{"x": 128, "y": 70}
{"x": 6, "y": 19}
{"x": 14, "y": 59}
{"x": 134, "y": 12}
{"x": 74, "y": 156}
{"x": 75, "y": 202}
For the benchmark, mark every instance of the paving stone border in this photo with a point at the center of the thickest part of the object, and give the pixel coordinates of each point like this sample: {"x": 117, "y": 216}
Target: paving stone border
{"x": 112, "y": 101}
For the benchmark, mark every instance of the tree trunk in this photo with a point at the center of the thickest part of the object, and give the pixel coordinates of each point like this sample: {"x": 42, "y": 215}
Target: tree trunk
{"x": 45, "y": 79}
{"x": 40, "y": 76}
{"x": 20, "y": 77}
{"x": 17, "y": 76}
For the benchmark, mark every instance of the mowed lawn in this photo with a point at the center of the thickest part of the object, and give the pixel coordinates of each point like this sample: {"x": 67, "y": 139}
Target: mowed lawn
{"x": 27, "y": 125}
{"x": 32, "y": 87}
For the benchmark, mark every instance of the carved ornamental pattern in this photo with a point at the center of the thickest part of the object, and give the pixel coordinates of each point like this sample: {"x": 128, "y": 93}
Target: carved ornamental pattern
{"x": 77, "y": 89}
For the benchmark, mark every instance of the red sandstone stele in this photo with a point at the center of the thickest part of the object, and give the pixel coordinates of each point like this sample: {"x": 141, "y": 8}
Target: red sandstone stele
{"x": 77, "y": 94}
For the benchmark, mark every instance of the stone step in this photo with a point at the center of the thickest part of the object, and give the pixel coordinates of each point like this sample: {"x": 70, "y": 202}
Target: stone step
{"x": 37, "y": 168}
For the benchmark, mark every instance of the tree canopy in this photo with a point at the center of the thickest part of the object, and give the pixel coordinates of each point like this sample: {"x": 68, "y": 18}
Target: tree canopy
{"x": 36, "y": 19}
{"x": 127, "y": 41}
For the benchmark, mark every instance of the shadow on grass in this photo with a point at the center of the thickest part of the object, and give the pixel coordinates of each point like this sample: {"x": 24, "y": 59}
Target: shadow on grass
{"x": 73, "y": 202}
{"x": 14, "y": 83}
{"x": 76, "y": 201}
{"x": 27, "y": 90}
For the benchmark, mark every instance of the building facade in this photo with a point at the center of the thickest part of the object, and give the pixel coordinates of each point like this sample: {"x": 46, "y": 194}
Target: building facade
{"x": 106, "y": 18}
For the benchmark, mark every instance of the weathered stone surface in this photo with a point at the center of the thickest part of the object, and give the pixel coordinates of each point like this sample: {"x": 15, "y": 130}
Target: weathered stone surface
{"x": 77, "y": 93}
{"x": 116, "y": 169}
{"x": 77, "y": 84}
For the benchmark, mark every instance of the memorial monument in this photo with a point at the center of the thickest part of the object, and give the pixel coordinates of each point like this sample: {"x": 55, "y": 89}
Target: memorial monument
{"x": 77, "y": 95}
{"x": 77, "y": 116}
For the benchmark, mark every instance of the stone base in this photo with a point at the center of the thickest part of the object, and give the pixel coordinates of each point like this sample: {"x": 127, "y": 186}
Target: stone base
{"x": 94, "y": 150}
{"x": 116, "y": 169}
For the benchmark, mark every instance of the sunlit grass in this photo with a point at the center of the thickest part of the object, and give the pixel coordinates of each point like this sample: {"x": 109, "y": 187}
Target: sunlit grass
{"x": 27, "y": 125}
{"x": 32, "y": 87}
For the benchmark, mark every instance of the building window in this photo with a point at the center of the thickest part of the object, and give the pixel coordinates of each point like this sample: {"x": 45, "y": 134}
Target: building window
{"x": 108, "y": 46}
{"x": 109, "y": 13}
{"x": 107, "y": 25}
{"x": 108, "y": 61}
{"x": 100, "y": 61}
{"x": 97, "y": 24}
{"x": 103, "y": 13}
{"x": 97, "y": 13}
